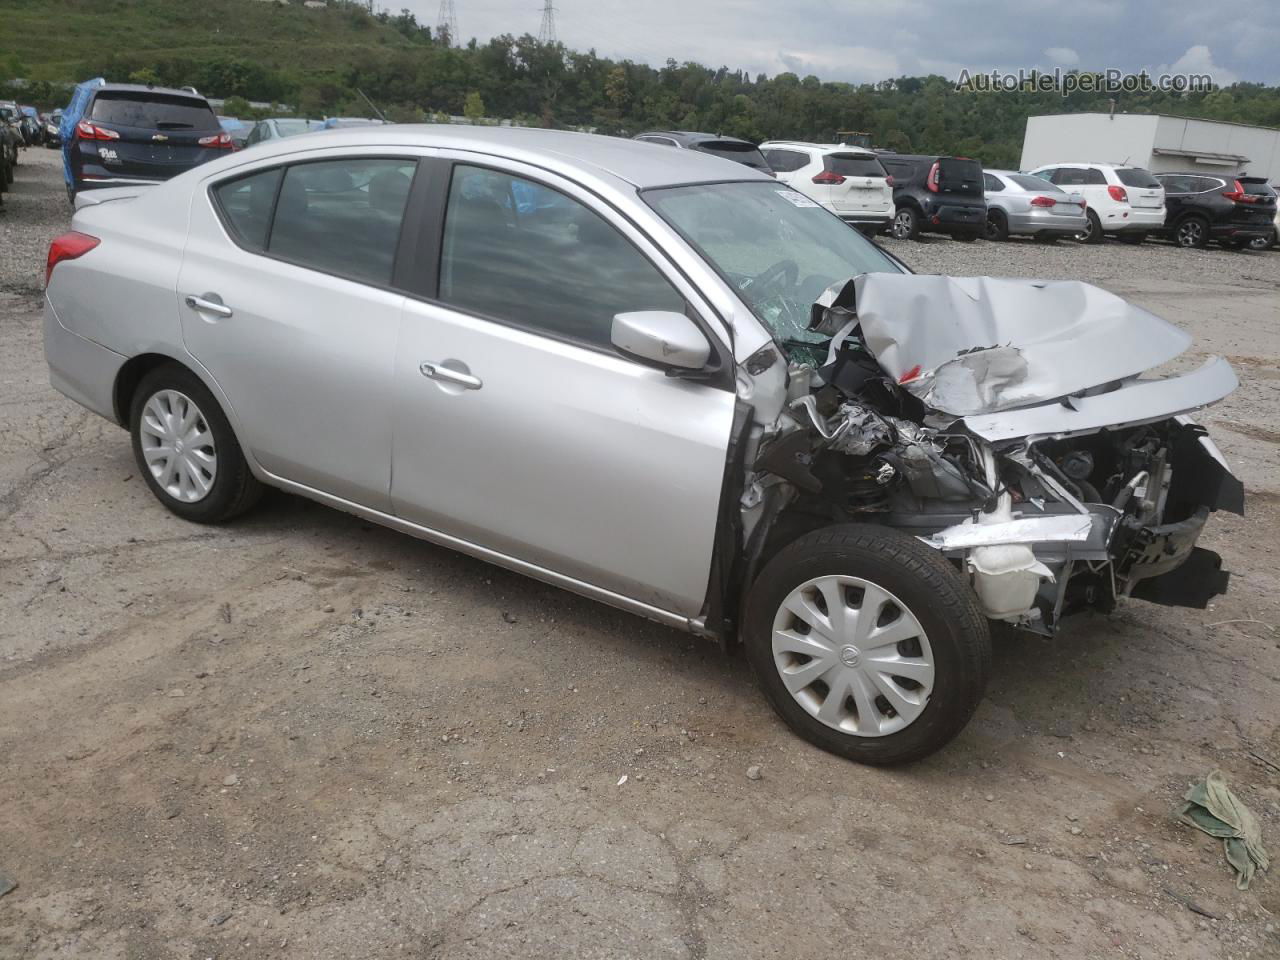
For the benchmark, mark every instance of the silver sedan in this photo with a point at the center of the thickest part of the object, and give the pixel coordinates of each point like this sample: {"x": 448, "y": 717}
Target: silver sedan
{"x": 1022, "y": 205}
{"x": 656, "y": 378}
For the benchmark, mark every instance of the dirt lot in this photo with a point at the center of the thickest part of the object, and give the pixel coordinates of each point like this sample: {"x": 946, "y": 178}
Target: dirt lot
{"x": 304, "y": 736}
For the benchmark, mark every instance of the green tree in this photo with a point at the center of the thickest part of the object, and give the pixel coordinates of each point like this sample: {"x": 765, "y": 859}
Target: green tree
{"x": 473, "y": 108}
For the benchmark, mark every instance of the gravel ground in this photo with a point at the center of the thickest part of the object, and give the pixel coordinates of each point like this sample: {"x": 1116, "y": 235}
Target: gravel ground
{"x": 304, "y": 736}
{"x": 34, "y": 211}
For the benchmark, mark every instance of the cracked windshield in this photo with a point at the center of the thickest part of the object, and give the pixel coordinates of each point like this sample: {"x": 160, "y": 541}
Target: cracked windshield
{"x": 777, "y": 247}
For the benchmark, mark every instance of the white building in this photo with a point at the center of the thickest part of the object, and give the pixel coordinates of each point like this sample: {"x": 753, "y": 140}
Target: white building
{"x": 1158, "y": 143}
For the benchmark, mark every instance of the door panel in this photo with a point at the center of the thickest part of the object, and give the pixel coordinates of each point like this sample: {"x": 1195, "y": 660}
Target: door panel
{"x": 518, "y": 427}
{"x": 566, "y": 457}
{"x": 306, "y": 359}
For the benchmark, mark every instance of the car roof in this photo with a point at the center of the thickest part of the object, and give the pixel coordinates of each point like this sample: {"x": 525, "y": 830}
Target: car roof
{"x": 634, "y": 162}
{"x": 691, "y": 136}
{"x": 143, "y": 88}
{"x": 825, "y": 147}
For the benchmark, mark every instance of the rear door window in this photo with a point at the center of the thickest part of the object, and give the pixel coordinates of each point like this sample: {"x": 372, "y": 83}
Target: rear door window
{"x": 1072, "y": 177}
{"x": 153, "y": 111}
{"x": 1136, "y": 177}
{"x": 524, "y": 254}
{"x": 342, "y": 216}
{"x": 853, "y": 165}
{"x": 245, "y": 204}
{"x": 786, "y": 161}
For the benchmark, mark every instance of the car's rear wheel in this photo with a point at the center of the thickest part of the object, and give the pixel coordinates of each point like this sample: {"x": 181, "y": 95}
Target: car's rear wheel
{"x": 1093, "y": 229}
{"x": 1263, "y": 243}
{"x": 1192, "y": 232}
{"x": 186, "y": 450}
{"x": 997, "y": 225}
{"x": 1132, "y": 238}
{"x": 867, "y": 643}
{"x": 906, "y": 224}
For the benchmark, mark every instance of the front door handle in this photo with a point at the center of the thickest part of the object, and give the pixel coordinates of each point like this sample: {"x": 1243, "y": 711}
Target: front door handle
{"x": 437, "y": 371}
{"x": 208, "y": 306}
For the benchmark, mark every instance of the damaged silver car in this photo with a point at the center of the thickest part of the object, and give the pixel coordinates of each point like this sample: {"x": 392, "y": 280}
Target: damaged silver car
{"x": 663, "y": 381}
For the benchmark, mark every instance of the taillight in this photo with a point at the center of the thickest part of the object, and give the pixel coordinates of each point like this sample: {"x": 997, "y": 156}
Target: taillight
{"x": 828, "y": 177}
{"x": 888, "y": 181}
{"x": 932, "y": 180}
{"x": 1043, "y": 201}
{"x": 1118, "y": 194}
{"x": 91, "y": 131}
{"x": 1238, "y": 195}
{"x": 69, "y": 246}
{"x": 219, "y": 141}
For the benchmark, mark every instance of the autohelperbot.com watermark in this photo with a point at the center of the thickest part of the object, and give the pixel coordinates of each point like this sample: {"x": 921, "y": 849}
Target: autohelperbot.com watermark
{"x": 1067, "y": 82}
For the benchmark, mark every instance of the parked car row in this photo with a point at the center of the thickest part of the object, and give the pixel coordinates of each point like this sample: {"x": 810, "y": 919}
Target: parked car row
{"x": 908, "y": 195}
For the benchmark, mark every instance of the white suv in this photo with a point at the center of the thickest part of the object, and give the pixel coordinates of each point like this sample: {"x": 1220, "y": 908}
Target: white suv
{"x": 848, "y": 181}
{"x": 1126, "y": 201}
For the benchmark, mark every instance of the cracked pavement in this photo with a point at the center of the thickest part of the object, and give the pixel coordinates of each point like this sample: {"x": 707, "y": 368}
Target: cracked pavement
{"x": 304, "y": 736}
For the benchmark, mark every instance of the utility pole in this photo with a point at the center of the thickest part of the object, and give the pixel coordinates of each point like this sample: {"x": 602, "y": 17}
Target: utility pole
{"x": 447, "y": 23}
{"x": 547, "y": 32}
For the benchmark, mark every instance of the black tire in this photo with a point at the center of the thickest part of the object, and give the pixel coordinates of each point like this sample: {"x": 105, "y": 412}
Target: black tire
{"x": 1263, "y": 243}
{"x": 997, "y": 225}
{"x": 1192, "y": 233}
{"x": 906, "y": 224}
{"x": 234, "y": 489}
{"x": 927, "y": 585}
{"x": 1133, "y": 239}
{"x": 1094, "y": 233}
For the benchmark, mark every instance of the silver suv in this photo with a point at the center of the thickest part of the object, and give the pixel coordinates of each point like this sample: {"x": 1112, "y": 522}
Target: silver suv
{"x": 657, "y": 378}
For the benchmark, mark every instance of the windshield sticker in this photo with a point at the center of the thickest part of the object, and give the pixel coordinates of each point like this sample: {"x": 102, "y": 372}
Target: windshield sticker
{"x": 795, "y": 199}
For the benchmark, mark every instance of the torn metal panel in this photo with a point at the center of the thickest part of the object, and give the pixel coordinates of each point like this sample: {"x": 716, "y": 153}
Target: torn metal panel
{"x": 978, "y": 345}
{"x": 1139, "y": 401}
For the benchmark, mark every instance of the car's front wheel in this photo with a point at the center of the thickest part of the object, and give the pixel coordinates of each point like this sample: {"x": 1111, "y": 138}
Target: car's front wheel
{"x": 867, "y": 643}
{"x": 186, "y": 450}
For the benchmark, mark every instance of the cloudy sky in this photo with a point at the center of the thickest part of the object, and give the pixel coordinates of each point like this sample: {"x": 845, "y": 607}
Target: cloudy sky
{"x": 866, "y": 40}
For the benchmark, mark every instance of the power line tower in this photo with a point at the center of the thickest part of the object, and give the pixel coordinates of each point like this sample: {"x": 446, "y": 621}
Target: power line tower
{"x": 547, "y": 32}
{"x": 447, "y": 23}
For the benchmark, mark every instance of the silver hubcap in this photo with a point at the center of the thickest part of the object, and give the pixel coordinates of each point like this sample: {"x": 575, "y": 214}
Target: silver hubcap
{"x": 902, "y": 225}
{"x": 177, "y": 446}
{"x": 1189, "y": 233}
{"x": 853, "y": 656}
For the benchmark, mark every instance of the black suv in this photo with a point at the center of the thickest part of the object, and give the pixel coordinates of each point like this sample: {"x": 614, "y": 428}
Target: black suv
{"x": 133, "y": 134}
{"x": 936, "y": 195}
{"x": 731, "y": 148}
{"x": 1201, "y": 207}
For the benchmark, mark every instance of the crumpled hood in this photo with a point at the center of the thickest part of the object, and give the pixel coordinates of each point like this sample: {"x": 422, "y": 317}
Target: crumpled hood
{"x": 980, "y": 345}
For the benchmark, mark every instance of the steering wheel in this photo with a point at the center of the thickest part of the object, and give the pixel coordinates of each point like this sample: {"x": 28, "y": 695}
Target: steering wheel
{"x": 783, "y": 270}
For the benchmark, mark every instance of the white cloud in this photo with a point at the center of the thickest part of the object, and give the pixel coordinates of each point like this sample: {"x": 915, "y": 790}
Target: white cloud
{"x": 1063, "y": 56}
{"x": 1199, "y": 59}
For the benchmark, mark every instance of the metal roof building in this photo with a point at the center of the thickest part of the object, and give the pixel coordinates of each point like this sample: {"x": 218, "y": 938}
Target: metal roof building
{"x": 1156, "y": 142}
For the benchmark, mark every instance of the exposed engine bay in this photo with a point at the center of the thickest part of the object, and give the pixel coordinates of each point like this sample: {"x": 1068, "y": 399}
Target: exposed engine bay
{"x": 1005, "y": 424}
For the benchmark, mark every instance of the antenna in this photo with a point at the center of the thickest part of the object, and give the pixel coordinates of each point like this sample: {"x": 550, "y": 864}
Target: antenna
{"x": 547, "y": 32}
{"x": 447, "y": 23}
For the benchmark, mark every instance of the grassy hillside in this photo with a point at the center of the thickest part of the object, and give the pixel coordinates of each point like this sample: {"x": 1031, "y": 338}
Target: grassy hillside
{"x": 63, "y": 41}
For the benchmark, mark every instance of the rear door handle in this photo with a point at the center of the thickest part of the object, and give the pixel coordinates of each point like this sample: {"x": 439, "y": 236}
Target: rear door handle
{"x": 436, "y": 371}
{"x": 208, "y": 306}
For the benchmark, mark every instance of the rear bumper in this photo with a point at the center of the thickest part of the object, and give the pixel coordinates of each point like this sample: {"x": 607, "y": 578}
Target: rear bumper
{"x": 955, "y": 218}
{"x": 1047, "y": 222}
{"x": 80, "y": 369}
{"x": 1239, "y": 231}
{"x": 1134, "y": 220}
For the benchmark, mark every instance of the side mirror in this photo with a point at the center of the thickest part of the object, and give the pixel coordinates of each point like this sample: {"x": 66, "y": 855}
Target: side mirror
{"x": 661, "y": 338}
